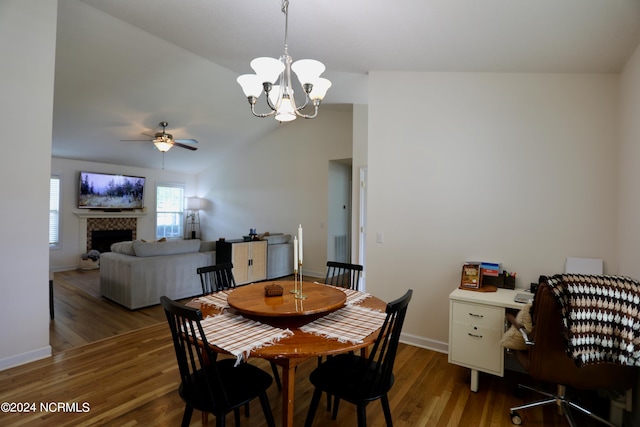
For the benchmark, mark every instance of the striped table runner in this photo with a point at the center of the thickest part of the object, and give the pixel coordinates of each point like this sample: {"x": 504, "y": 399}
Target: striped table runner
{"x": 238, "y": 335}
{"x": 349, "y": 324}
{"x": 354, "y": 297}
{"x": 216, "y": 299}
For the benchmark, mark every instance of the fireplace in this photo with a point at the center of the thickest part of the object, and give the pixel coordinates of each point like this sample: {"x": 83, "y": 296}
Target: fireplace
{"x": 91, "y": 221}
{"x": 101, "y": 240}
{"x": 108, "y": 231}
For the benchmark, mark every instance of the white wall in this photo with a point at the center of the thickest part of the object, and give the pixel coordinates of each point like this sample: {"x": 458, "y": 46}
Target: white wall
{"x": 278, "y": 182}
{"x": 628, "y": 179}
{"x": 67, "y": 257}
{"x": 518, "y": 168}
{"x": 27, "y": 48}
{"x": 629, "y": 172}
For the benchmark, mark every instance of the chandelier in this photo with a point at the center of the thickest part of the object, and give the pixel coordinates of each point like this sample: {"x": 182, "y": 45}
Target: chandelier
{"x": 280, "y": 96}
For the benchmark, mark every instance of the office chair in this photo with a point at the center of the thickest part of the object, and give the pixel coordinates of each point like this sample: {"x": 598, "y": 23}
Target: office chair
{"x": 358, "y": 379}
{"x": 209, "y": 385}
{"x": 546, "y": 359}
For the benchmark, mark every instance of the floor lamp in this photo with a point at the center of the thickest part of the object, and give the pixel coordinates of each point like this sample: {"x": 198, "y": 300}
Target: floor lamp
{"x": 194, "y": 205}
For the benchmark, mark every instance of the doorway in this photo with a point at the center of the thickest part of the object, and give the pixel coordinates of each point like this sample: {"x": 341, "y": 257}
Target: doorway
{"x": 339, "y": 211}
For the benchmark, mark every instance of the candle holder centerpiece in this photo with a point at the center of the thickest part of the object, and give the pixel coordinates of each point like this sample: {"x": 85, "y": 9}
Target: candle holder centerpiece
{"x": 298, "y": 294}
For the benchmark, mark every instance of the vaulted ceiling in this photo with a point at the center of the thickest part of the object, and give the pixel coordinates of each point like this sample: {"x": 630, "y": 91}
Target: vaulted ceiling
{"x": 122, "y": 66}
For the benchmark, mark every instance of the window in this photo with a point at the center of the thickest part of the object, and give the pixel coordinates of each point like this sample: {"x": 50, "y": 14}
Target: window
{"x": 54, "y": 211}
{"x": 169, "y": 211}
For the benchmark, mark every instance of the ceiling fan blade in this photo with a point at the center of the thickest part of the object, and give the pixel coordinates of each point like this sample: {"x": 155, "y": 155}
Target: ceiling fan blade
{"x": 141, "y": 140}
{"x": 186, "y": 141}
{"x": 188, "y": 147}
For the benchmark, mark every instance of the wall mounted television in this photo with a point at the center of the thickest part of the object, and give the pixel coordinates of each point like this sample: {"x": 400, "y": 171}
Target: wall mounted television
{"x": 110, "y": 191}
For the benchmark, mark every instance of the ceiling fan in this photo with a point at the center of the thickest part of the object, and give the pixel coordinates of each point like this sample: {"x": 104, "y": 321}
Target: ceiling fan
{"x": 164, "y": 141}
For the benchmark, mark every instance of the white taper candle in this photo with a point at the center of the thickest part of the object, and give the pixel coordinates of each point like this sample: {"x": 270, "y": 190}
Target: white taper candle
{"x": 300, "y": 241}
{"x": 295, "y": 253}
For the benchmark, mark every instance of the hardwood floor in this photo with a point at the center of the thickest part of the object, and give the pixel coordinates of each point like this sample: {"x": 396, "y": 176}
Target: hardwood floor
{"x": 81, "y": 318}
{"x": 121, "y": 363}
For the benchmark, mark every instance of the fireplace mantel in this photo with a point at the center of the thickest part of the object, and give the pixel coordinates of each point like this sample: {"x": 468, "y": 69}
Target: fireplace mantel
{"x": 102, "y": 214}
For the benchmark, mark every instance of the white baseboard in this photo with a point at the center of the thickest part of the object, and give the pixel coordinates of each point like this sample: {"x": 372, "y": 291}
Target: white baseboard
{"x": 313, "y": 274}
{"x": 439, "y": 346}
{"x": 21, "y": 359}
{"x": 64, "y": 268}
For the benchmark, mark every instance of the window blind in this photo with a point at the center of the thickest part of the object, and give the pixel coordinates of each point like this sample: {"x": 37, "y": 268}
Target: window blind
{"x": 54, "y": 210}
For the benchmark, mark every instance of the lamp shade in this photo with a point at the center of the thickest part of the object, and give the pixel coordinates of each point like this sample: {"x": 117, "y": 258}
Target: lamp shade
{"x": 307, "y": 70}
{"x": 251, "y": 85}
{"x": 267, "y": 69}
{"x": 285, "y": 111}
{"x": 162, "y": 145}
{"x": 195, "y": 203}
{"x": 320, "y": 88}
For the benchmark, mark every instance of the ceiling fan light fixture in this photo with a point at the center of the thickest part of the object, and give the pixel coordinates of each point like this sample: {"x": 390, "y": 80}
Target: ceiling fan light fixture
{"x": 163, "y": 141}
{"x": 162, "y": 144}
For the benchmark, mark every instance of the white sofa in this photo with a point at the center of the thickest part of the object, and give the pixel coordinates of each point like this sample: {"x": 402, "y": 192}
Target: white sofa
{"x": 136, "y": 274}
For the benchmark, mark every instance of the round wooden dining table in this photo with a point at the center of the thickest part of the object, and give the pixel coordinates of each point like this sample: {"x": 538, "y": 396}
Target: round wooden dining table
{"x": 250, "y": 301}
{"x": 314, "y": 299}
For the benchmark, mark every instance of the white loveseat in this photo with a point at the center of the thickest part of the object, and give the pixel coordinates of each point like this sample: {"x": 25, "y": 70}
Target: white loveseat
{"x": 136, "y": 274}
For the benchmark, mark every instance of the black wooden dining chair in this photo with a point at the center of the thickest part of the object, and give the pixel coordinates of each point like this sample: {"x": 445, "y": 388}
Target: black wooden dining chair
{"x": 214, "y": 278}
{"x": 358, "y": 379}
{"x": 346, "y": 276}
{"x": 219, "y": 277}
{"x": 207, "y": 384}
{"x": 343, "y": 275}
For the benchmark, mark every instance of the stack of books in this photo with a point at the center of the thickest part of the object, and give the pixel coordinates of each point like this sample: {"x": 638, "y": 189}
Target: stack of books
{"x": 477, "y": 273}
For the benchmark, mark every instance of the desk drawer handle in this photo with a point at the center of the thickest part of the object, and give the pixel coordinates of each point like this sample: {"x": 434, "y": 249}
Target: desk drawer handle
{"x": 476, "y": 315}
{"x": 474, "y": 335}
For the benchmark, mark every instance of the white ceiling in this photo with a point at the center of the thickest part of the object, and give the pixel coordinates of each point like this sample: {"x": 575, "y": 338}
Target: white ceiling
{"x": 176, "y": 60}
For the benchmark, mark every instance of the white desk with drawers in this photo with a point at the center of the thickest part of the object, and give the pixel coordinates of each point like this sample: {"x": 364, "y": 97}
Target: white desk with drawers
{"x": 476, "y": 325}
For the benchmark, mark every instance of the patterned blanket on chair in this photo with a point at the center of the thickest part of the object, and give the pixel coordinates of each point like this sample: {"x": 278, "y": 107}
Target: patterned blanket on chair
{"x": 601, "y": 316}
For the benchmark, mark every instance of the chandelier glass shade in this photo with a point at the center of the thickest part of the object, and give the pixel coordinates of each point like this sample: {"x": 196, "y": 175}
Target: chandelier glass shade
{"x": 279, "y": 97}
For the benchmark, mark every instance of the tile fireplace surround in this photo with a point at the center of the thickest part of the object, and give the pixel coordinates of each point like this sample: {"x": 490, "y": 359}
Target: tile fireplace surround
{"x": 96, "y": 220}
